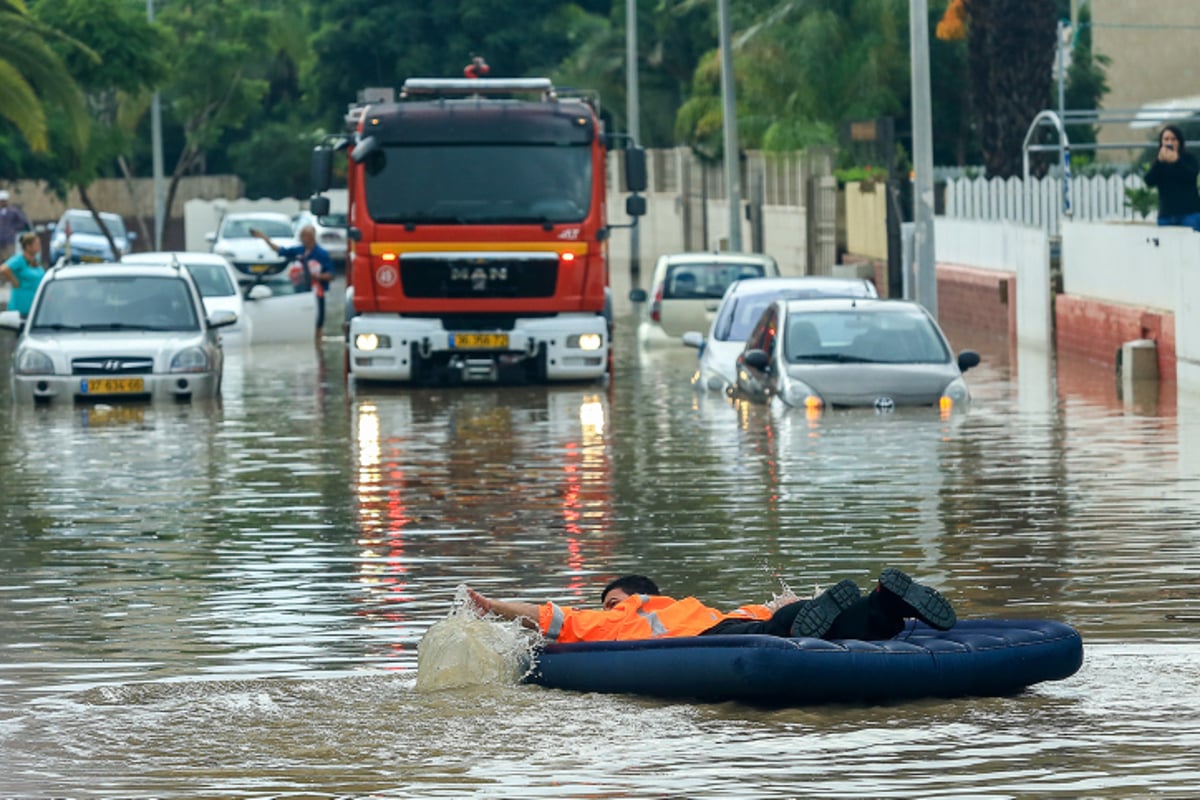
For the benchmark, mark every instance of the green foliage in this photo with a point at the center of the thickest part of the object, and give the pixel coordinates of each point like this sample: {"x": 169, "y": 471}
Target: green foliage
{"x": 1142, "y": 201}
{"x": 33, "y": 77}
{"x": 867, "y": 174}
{"x": 1086, "y": 83}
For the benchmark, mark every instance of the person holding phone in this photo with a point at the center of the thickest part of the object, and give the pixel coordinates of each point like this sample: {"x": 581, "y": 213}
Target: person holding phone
{"x": 1174, "y": 174}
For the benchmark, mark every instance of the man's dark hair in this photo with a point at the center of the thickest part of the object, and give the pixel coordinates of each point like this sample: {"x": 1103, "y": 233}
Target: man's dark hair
{"x": 631, "y": 584}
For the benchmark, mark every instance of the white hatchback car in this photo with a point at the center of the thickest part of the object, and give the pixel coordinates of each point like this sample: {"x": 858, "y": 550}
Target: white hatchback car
{"x": 263, "y": 317}
{"x": 251, "y": 256}
{"x": 686, "y": 289}
{"x": 116, "y": 331}
{"x": 743, "y": 304}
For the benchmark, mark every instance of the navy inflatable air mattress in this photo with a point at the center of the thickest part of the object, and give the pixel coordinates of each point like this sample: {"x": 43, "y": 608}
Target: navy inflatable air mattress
{"x": 975, "y": 658}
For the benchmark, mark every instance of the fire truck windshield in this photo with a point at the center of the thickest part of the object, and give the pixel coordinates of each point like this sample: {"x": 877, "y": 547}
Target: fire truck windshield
{"x": 467, "y": 184}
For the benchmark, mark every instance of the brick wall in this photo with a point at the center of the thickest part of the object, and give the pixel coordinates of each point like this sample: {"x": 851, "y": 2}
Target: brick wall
{"x": 981, "y": 300}
{"x": 1094, "y": 331}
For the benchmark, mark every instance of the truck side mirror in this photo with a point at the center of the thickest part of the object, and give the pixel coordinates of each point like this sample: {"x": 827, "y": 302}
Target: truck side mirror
{"x": 635, "y": 169}
{"x": 635, "y": 205}
{"x": 322, "y": 168}
{"x": 319, "y": 205}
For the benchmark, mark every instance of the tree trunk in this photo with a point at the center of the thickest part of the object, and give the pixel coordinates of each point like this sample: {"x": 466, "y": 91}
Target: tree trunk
{"x": 87, "y": 201}
{"x": 1010, "y": 55}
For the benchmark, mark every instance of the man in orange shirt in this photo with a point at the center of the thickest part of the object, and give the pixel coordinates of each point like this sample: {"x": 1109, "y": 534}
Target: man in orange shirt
{"x": 634, "y": 609}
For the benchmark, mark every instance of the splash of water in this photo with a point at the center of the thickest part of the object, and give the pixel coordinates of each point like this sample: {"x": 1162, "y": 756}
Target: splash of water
{"x": 466, "y": 650}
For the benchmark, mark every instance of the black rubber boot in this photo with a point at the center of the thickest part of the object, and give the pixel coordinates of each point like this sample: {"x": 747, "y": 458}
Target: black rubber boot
{"x": 911, "y": 599}
{"x": 817, "y": 616}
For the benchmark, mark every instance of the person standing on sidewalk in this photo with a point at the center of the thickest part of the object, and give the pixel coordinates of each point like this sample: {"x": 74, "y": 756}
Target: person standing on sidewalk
{"x": 12, "y": 222}
{"x": 1174, "y": 173}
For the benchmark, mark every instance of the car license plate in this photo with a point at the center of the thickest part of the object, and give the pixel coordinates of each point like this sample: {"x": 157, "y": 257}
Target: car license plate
{"x": 257, "y": 268}
{"x": 479, "y": 341}
{"x": 91, "y": 259}
{"x": 112, "y": 386}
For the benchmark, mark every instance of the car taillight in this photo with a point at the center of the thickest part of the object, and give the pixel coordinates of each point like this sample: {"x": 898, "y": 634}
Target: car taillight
{"x": 656, "y": 306}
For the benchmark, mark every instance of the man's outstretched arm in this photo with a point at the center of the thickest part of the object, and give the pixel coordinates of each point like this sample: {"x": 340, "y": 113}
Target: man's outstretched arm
{"x": 527, "y": 613}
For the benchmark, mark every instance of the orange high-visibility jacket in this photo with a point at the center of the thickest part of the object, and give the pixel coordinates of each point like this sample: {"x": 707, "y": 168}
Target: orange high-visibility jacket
{"x": 639, "y": 616}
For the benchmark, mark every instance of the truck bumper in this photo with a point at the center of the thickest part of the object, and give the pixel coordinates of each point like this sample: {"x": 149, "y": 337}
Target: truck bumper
{"x": 566, "y": 347}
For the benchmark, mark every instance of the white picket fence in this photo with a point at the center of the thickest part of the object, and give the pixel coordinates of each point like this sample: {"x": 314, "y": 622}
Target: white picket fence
{"x": 1040, "y": 203}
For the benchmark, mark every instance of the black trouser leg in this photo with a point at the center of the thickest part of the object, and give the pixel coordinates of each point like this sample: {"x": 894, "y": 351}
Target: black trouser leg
{"x": 780, "y": 623}
{"x": 870, "y": 619}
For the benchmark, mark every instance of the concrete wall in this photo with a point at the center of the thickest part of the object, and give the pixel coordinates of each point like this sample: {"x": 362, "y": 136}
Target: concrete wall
{"x": 126, "y": 198}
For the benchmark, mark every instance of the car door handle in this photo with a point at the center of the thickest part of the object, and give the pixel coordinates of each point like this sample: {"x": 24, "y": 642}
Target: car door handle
{"x": 710, "y": 306}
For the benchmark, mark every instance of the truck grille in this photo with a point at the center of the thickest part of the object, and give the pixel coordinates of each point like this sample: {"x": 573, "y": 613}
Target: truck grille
{"x": 114, "y": 365}
{"x": 466, "y": 276}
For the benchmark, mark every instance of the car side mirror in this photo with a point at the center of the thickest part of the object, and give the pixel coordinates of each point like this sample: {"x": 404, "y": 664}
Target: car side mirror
{"x": 318, "y": 205}
{"x": 259, "y": 292}
{"x": 210, "y": 237}
{"x": 10, "y": 320}
{"x": 756, "y": 359}
{"x": 967, "y": 359}
{"x": 637, "y": 295}
{"x": 635, "y": 205}
{"x": 694, "y": 339}
{"x": 131, "y": 236}
{"x": 222, "y": 319}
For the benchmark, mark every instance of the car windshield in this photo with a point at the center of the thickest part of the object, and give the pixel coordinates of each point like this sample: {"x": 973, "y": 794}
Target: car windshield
{"x": 704, "y": 281}
{"x": 479, "y": 183}
{"x": 240, "y": 228}
{"x": 900, "y": 337}
{"x": 740, "y": 312}
{"x": 86, "y": 223}
{"x": 115, "y": 303}
{"x": 212, "y": 280}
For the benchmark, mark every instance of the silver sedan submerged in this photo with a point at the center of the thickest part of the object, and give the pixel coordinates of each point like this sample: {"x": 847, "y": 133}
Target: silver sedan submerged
{"x": 852, "y": 353}
{"x": 117, "y": 332}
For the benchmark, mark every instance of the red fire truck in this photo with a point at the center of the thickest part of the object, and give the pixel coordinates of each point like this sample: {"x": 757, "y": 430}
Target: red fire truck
{"x": 479, "y": 239}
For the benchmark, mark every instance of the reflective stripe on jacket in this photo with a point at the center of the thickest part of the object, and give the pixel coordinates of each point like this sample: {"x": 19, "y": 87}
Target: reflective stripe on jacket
{"x": 639, "y": 616}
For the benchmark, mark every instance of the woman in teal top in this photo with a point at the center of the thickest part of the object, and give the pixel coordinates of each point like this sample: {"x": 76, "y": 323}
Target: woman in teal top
{"x": 24, "y": 273}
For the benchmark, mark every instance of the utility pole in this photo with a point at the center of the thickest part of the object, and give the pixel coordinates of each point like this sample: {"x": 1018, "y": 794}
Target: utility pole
{"x": 923, "y": 249}
{"x": 729, "y": 112}
{"x": 633, "y": 112}
{"x": 156, "y": 149}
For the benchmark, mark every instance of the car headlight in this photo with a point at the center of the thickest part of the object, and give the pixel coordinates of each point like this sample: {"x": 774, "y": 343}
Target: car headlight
{"x": 33, "y": 362}
{"x": 225, "y": 252}
{"x": 193, "y": 359}
{"x": 800, "y": 395}
{"x": 954, "y": 395}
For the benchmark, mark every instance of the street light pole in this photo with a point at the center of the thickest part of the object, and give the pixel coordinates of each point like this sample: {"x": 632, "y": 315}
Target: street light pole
{"x": 633, "y": 112}
{"x": 156, "y": 153}
{"x": 729, "y": 112}
{"x": 923, "y": 249}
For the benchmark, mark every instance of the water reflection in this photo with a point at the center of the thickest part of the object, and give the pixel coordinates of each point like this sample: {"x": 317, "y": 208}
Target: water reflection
{"x": 225, "y": 599}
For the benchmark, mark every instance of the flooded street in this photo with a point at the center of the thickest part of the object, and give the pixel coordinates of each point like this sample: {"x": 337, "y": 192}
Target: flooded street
{"x": 225, "y": 599}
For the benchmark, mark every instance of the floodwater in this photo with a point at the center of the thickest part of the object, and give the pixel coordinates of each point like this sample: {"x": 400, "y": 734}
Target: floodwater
{"x": 226, "y": 599}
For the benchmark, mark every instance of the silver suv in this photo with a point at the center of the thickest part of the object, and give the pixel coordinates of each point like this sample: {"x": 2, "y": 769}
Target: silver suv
{"x": 114, "y": 331}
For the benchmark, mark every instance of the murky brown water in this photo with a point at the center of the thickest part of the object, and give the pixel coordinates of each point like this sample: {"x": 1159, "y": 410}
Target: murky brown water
{"x": 226, "y": 600}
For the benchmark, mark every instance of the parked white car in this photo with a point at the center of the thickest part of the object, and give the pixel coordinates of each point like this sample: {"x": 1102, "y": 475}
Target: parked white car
{"x": 116, "y": 331}
{"x": 740, "y": 309}
{"x": 77, "y": 238}
{"x": 251, "y": 256}
{"x": 686, "y": 289}
{"x": 263, "y": 316}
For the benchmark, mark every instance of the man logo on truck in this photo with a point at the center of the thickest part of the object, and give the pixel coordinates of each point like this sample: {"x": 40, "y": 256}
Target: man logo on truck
{"x": 479, "y": 276}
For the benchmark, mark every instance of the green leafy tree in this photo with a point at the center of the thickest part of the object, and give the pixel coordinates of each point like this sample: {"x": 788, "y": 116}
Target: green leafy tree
{"x": 123, "y": 60}
{"x": 216, "y": 76}
{"x": 1086, "y": 81}
{"x": 32, "y": 78}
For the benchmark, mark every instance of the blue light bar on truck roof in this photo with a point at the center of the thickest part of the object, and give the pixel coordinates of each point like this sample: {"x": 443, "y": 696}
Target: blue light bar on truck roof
{"x": 475, "y": 86}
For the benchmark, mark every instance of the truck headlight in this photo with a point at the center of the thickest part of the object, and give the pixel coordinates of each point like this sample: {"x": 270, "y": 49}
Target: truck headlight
{"x": 585, "y": 341}
{"x": 372, "y": 341}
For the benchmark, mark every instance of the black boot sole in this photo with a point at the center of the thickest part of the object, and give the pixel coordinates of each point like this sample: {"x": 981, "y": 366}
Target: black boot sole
{"x": 819, "y": 614}
{"x": 927, "y": 603}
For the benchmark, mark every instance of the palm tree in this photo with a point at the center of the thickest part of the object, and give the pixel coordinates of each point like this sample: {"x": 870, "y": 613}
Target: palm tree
{"x": 32, "y": 76}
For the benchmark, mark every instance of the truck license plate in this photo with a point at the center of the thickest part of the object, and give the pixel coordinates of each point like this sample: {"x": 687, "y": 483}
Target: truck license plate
{"x": 112, "y": 386}
{"x": 479, "y": 341}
